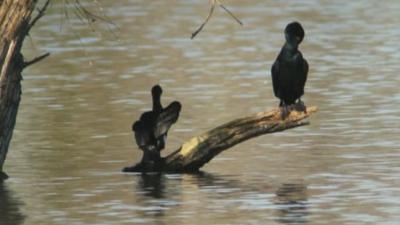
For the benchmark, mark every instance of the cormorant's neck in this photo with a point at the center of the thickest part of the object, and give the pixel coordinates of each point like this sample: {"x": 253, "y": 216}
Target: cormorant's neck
{"x": 291, "y": 46}
{"x": 157, "y": 107}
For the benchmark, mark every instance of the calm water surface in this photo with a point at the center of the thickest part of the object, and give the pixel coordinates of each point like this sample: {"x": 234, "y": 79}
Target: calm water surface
{"x": 73, "y": 131}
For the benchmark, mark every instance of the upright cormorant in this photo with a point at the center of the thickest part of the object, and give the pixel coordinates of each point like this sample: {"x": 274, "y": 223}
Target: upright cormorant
{"x": 289, "y": 71}
{"x": 152, "y": 128}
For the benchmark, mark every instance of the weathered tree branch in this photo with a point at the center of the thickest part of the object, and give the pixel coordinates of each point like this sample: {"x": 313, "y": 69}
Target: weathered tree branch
{"x": 213, "y": 3}
{"x": 201, "y": 149}
{"x": 41, "y": 13}
{"x": 36, "y": 59}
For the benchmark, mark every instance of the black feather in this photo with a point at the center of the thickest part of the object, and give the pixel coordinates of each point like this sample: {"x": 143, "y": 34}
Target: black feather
{"x": 152, "y": 127}
{"x": 290, "y": 69}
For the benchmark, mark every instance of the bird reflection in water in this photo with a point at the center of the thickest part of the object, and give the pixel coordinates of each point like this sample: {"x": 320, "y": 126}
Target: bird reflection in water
{"x": 291, "y": 202}
{"x": 152, "y": 184}
{"x": 161, "y": 193}
{"x": 151, "y": 188}
{"x": 156, "y": 196}
{"x": 10, "y": 213}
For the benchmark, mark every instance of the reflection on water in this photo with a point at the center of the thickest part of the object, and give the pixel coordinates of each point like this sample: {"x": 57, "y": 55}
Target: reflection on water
{"x": 10, "y": 212}
{"x": 152, "y": 184}
{"x": 291, "y": 200}
{"x": 73, "y": 135}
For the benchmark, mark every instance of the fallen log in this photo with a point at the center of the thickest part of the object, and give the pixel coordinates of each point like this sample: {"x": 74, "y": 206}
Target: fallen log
{"x": 201, "y": 149}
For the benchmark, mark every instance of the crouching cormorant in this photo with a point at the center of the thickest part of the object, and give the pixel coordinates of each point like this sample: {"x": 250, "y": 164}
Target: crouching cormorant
{"x": 289, "y": 71}
{"x": 152, "y": 128}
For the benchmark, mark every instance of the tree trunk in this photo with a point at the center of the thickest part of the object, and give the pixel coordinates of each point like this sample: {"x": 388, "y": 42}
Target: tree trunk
{"x": 201, "y": 149}
{"x": 15, "y": 23}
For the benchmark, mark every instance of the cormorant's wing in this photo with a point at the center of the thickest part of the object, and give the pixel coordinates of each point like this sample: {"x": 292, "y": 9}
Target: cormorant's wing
{"x": 275, "y": 77}
{"x": 304, "y": 75}
{"x": 166, "y": 118}
{"x": 142, "y": 134}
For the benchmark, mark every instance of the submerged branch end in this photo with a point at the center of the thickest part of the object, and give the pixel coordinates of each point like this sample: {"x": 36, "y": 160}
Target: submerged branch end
{"x": 3, "y": 176}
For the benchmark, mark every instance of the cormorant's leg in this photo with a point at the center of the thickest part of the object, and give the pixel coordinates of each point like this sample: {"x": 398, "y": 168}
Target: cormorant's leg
{"x": 142, "y": 166}
{"x": 300, "y": 106}
{"x": 151, "y": 159}
{"x": 280, "y": 103}
{"x": 148, "y": 166}
{"x": 284, "y": 110}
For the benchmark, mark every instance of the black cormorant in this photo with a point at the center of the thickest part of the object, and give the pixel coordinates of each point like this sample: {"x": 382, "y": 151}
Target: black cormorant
{"x": 289, "y": 71}
{"x": 152, "y": 127}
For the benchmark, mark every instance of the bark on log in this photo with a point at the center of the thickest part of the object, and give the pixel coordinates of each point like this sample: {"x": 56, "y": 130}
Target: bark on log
{"x": 201, "y": 149}
{"x": 15, "y": 23}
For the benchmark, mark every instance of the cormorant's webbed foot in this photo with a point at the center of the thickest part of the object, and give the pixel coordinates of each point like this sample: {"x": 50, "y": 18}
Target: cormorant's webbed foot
{"x": 300, "y": 106}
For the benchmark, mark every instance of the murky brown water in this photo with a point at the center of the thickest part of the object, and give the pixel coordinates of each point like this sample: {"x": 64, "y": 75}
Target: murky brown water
{"x": 73, "y": 131}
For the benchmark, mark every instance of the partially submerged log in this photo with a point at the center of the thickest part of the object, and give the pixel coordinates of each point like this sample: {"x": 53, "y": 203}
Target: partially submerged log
{"x": 201, "y": 149}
